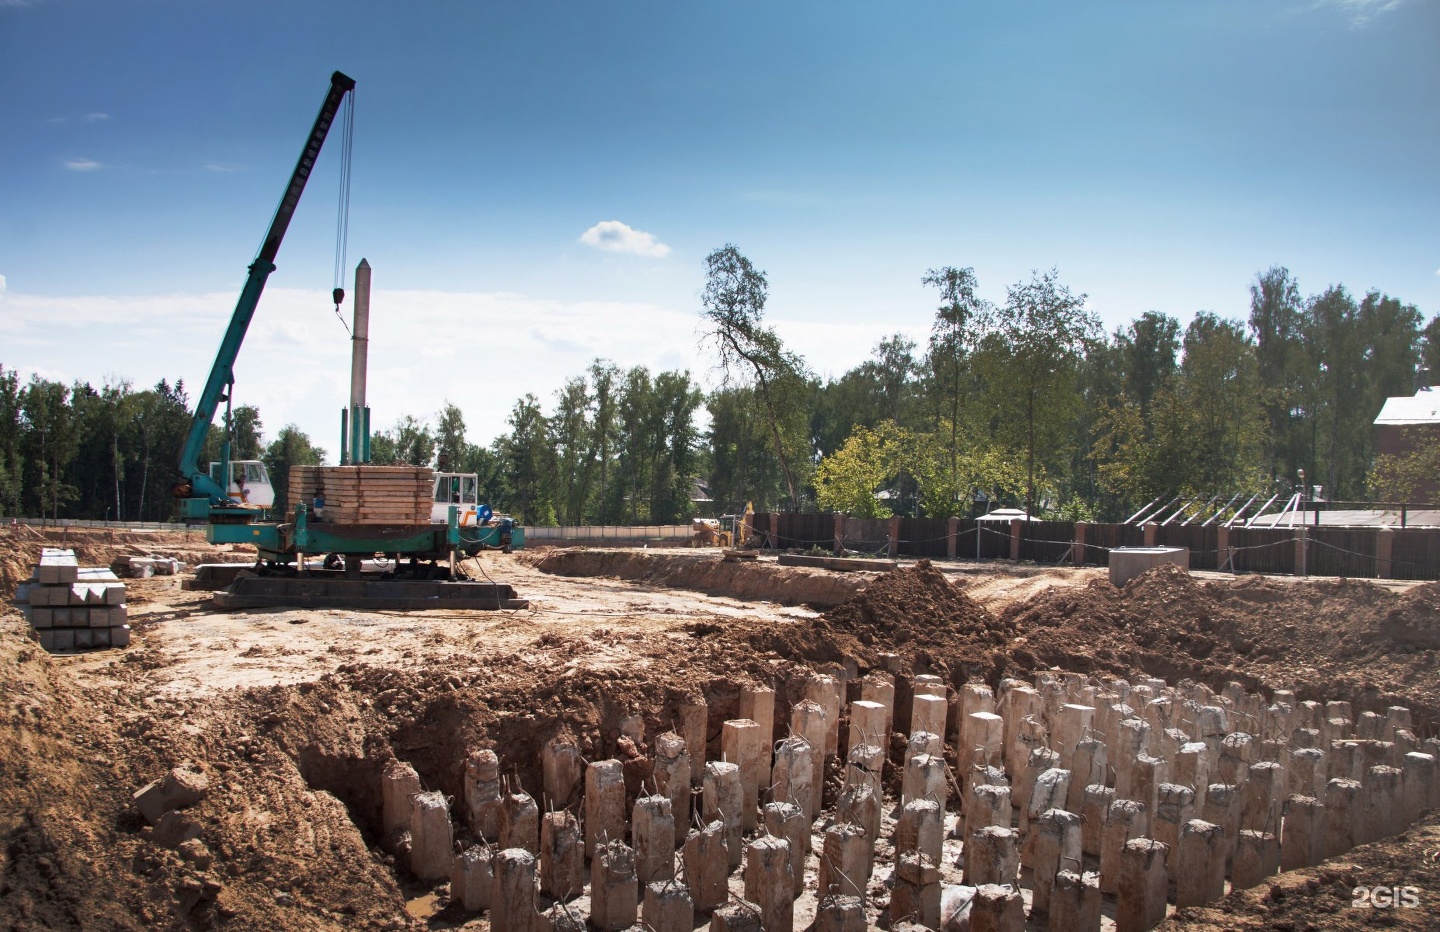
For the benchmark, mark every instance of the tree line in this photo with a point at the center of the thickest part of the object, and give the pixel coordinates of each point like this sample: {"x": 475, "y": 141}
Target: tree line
{"x": 1027, "y": 402}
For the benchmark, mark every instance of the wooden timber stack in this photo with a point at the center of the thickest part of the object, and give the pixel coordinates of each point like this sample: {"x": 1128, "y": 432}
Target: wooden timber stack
{"x": 71, "y": 607}
{"x": 365, "y": 494}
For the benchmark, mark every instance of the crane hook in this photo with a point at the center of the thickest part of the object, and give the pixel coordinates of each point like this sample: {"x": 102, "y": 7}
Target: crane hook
{"x": 339, "y": 296}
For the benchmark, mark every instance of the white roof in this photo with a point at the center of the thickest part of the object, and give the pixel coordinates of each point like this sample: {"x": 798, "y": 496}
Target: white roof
{"x": 1421, "y": 408}
{"x": 1007, "y": 515}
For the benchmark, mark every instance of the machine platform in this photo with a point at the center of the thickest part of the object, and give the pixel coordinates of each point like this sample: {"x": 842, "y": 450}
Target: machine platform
{"x": 377, "y": 594}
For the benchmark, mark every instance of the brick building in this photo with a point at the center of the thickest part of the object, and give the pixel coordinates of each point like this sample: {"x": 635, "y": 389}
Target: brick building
{"x": 1407, "y": 423}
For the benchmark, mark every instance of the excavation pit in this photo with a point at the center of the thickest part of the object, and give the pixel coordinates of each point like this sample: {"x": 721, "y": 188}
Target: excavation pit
{"x": 295, "y": 716}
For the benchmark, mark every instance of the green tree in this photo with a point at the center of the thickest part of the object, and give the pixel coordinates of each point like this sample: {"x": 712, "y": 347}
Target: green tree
{"x": 247, "y": 440}
{"x": 1430, "y": 349}
{"x": 1149, "y": 350}
{"x": 741, "y": 467}
{"x": 291, "y": 447}
{"x": 450, "y": 439}
{"x": 529, "y": 461}
{"x": 851, "y": 479}
{"x": 162, "y": 420}
{"x": 752, "y": 354}
{"x": 54, "y": 437}
{"x": 1040, "y": 335}
{"x": 409, "y": 443}
{"x": 1276, "y": 313}
{"x": 675, "y": 448}
{"x": 1332, "y": 394}
{"x": 604, "y": 376}
{"x": 11, "y": 437}
{"x": 960, "y": 320}
{"x": 570, "y": 432}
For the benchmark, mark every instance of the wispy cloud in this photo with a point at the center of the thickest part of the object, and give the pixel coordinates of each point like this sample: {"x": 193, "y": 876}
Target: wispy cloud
{"x": 2, "y": 285}
{"x": 1361, "y": 12}
{"x": 82, "y": 165}
{"x": 223, "y": 167}
{"x": 97, "y": 118}
{"x": 16, "y": 4}
{"x": 614, "y": 236}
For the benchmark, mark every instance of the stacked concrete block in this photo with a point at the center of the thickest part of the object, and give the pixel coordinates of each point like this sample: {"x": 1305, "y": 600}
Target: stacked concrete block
{"x": 70, "y": 607}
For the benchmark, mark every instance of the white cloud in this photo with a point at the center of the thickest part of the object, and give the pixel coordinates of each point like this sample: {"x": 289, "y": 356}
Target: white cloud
{"x": 2, "y": 285}
{"x": 481, "y": 351}
{"x": 1361, "y": 12}
{"x": 82, "y": 165}
{"x": 97, "y": 118}
{"x": 223, "y": 167}
{"x": 614, "y": 236}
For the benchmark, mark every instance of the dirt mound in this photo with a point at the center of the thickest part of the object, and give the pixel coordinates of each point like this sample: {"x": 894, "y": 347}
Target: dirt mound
{"x": 706, "y": 572}
{"x": 1330, "y": 639}
{"x": 920, "y": 614}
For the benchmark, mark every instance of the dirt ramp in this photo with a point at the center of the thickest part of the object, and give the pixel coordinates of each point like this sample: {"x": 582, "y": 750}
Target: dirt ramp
{"x": 706, "y": 572}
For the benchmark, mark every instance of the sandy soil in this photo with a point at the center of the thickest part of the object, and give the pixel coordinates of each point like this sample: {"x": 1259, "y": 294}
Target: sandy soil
{"x": 293, "y": 714}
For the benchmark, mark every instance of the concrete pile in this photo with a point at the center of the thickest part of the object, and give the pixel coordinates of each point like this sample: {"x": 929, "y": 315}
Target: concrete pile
{"x": 132, "y": 567}
{"x": 70, "y": 607}
{"x": 1146, "y": 794}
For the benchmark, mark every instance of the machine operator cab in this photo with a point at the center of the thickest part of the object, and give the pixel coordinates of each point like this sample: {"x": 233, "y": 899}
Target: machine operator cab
{"x": 249, "y": 482}
{"x": 463, "y": 490}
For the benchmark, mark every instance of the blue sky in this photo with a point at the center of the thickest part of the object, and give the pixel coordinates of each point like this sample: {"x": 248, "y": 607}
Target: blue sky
{"x": 1157, "y": 154}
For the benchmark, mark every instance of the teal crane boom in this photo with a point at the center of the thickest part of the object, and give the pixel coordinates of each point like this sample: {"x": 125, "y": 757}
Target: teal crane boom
{"x": 198, "y": 492}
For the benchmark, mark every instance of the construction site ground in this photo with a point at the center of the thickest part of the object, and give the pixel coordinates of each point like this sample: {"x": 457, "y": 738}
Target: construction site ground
{"x": 293, "y": 714}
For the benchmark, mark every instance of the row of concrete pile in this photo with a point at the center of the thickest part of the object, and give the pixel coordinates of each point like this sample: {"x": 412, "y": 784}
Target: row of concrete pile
{"x": 1147, "y": 793}
{"x": 73, "y": 607}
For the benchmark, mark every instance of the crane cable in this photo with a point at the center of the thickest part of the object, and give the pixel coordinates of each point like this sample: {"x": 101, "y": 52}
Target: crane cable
{"x": 342, "y": 218}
